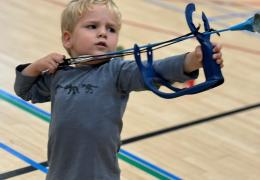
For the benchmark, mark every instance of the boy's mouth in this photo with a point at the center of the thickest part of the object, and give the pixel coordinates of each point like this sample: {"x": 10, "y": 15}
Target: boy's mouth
{"x": 102, "y": 44}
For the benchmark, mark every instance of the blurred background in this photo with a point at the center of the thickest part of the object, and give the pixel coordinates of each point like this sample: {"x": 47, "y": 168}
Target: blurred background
{"x": 212, "y": 135}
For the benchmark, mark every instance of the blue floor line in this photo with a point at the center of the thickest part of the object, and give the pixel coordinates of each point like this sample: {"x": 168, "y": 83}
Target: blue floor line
{"x": 24, "y": 158}
{"x": 148, "y": 164}
{"x": 19, "y": 100}
{"x": 137, "y": 159}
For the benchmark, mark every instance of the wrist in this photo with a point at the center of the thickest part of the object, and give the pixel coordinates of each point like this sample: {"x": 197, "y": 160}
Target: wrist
{"x": 31, "y": 70}
{"x": 191, "y": 63}
{"x": 188, "y": 65}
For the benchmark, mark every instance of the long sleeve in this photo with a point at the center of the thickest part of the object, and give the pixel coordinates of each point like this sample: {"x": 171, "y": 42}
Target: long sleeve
{"x": 36, "y": 89}
{"x": 171, "y": 69}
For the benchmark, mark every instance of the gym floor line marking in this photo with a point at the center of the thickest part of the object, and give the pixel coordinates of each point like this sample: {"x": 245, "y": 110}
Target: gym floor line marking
{"x": 21, "y": 171}
{"x": 46, "y": 117}
{"x": 24, "y": 158}
{"x": 189, "y": 124}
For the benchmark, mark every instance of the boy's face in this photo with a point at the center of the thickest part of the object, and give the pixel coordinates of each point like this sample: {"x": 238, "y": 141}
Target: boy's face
{"x": 95, "y": 33}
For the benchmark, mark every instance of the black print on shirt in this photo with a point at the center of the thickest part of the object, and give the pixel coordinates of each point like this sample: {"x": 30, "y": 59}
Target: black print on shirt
{"x": 71, "y": 89}
{"x": 89, "y": 88}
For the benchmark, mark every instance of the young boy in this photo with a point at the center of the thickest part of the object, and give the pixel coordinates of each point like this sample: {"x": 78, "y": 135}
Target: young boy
{"x": 88, "y": 101}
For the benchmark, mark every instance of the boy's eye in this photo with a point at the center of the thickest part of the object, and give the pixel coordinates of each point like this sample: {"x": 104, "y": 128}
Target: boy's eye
{"x": 111, "y": 29}
{"x": 91, "y": 26}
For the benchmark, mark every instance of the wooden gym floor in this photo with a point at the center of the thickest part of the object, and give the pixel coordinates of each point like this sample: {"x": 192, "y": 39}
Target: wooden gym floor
{"x": 224, "y": 146}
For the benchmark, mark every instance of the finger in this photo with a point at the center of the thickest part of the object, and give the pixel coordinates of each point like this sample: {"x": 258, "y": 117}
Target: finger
{"x": 217, "y": 47}
{"x": 53, "y": 64}
{"x": 52, "y": 70}
{"x": 217, "y": 56}
{"x": 219, "y": 61}
{"x": 45, "y": 71}
{"x": 59, "y": 58}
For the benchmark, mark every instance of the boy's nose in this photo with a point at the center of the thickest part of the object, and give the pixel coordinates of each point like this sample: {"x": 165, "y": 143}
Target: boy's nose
{"x": 102, "y": 33}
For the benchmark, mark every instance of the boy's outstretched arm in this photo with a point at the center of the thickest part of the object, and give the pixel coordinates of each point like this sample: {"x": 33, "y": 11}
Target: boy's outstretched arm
{"x": 48, "y": 63}
{"x": 193, "y": 60}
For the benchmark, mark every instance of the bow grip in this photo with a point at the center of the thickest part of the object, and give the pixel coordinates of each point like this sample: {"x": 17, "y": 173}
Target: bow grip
{"x": 211, "y": 69}
{"x": 152, "y": 79}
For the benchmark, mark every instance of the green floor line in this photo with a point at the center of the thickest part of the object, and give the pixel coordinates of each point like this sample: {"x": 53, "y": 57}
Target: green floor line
{"x": 142, "y": 167}
{"x": 37, "y": 112}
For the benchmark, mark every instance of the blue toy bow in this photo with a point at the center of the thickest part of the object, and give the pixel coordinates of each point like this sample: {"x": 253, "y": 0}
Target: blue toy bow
{"x": 211, "y": 68}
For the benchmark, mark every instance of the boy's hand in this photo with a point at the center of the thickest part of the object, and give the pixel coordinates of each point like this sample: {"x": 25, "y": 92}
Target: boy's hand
{"x": 193, "y": 60}
{"x": 48, "y": 64}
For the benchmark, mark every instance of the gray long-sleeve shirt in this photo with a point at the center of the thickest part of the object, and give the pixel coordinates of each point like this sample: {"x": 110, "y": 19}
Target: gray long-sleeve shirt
{"x": 87, "y": 107}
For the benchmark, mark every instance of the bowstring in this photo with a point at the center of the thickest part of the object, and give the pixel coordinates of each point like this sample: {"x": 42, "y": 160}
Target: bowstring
{"x": 128, "y": 52}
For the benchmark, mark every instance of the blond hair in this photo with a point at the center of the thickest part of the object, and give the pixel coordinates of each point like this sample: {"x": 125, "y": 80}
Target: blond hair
{"x": 76, "y": 8}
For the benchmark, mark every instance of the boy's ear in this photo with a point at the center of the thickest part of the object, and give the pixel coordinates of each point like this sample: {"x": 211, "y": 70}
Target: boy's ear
{"x": 66, "y": 39}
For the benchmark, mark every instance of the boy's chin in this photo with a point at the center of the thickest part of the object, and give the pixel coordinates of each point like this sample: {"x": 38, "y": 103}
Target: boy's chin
{"x": 96, "y": 51}
{"x": 95, "y": 62}
{"x": 100, "y": 52}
